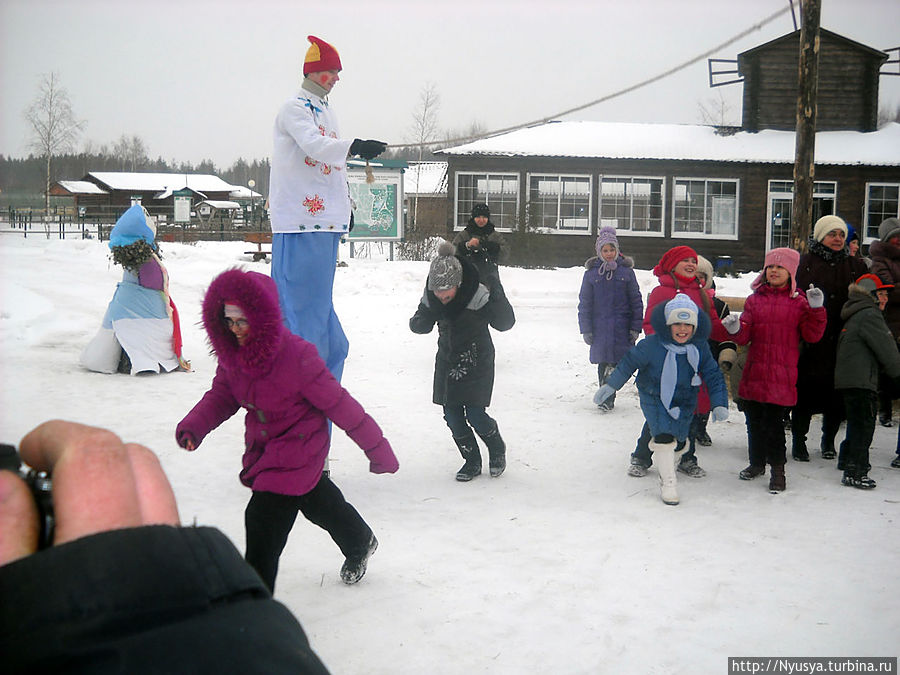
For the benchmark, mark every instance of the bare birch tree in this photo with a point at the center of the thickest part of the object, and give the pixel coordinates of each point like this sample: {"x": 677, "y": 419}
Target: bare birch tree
{"x": 423, "y": 132}
{"x": 53, "y": 125}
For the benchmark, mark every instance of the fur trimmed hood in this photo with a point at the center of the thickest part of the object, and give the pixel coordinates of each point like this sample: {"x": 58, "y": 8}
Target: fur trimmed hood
{"x": 257, "y": 296}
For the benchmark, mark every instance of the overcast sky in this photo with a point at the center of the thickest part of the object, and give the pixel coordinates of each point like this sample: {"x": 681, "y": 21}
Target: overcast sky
{"x": 199, "y": 79}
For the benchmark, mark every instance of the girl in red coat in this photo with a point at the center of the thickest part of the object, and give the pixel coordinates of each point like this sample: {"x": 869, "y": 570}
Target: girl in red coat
{"x": 776, "y": 317}
{"x": 677, "y": 273}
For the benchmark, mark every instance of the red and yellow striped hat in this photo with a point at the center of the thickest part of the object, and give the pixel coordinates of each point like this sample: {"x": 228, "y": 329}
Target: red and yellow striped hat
{"x": 320, "y": 56}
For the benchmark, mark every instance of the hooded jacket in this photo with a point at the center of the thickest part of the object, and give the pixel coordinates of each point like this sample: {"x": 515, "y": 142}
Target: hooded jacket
{"x": 464, "y": 364}
{"x": 284, "y": 386}
{"x": 773, "y": 322}
{"x": 865, "y": 345}
{"x": 648, "y": 357}
{"x": 886, "y": 264}
{"x": 668, "y": 288}
{"x": 610, "y": 306}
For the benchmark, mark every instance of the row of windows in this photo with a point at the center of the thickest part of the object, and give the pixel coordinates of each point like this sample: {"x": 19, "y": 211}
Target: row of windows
{"x": 700, "y": 207}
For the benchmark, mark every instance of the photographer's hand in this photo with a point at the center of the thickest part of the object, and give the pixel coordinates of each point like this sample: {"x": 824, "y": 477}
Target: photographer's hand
{"x": 99, "y": 484}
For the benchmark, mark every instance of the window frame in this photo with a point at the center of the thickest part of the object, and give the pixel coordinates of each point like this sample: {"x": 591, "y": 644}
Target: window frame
{"x": 866, "y": 239}
{"x": 706, "y": 206}
{"x": 629, "y": 232}
{"x": 543, "y": 229}
{"x": 488, "y": 175}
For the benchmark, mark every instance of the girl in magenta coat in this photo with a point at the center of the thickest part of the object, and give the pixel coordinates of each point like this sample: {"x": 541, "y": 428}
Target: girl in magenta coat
{"x": 290, "y": 396}
{"x": 775, "y": 318}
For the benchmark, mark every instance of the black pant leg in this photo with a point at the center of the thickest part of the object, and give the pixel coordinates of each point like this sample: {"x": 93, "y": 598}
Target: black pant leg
{"x": 642, "y": 449}
{"x": 861, "y": 406}
{"x": 268, "y": 520}
{"x": 326, "y": 507}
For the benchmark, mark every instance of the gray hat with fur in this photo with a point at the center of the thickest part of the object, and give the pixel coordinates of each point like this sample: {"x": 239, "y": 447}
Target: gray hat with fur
{"x": 890, "y": 227}
{"x": 446, "y": 270}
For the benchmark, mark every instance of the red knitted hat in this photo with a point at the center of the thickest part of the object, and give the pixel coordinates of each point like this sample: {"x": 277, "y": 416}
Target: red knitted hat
{"x": 672, "y": 257}
{"x": 320, "y": 56}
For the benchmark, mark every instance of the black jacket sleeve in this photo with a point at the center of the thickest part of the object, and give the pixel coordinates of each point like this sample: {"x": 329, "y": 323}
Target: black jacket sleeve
{"x": 150, "y": 599}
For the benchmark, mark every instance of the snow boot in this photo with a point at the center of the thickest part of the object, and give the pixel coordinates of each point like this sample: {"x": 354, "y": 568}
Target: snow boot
{"x": 496, "y": 452}
{"x": 861, "y": 482}
{"x": 895, "y": 463}
{"x": 799, "y": 451}
{"x": 777, "y": 481}
{"x": 752, "y": 472}
{"x": 638, "y": 470}
{"x": 664, "y": 457}
{"x": 354, "y": 566}
{"x": 468, "y": 448}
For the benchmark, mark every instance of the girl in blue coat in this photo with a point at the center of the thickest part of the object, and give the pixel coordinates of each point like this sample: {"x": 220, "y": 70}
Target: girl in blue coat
{"x": 670, "y": 365}
{"x": 610, "y": 308}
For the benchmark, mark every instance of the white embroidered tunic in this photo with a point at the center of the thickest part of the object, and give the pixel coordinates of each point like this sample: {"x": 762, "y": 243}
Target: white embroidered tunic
{"x": 308, "y": 189}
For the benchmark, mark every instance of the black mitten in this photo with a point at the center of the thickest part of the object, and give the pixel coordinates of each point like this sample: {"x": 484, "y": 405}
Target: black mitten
{"x": 367, "y": 149}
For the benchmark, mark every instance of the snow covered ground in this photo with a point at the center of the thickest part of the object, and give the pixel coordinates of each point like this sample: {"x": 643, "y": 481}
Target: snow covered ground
{"x": 563, "y": 565}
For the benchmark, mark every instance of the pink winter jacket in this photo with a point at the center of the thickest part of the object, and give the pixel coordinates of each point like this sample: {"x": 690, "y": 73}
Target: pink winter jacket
{"x": 773, "y": 323}
{"x": 284, "y": 386}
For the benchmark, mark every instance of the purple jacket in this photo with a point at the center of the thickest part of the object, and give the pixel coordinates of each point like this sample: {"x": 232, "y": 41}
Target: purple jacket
{"x": 609, "y": 307}
{"x": 284, "y": 386}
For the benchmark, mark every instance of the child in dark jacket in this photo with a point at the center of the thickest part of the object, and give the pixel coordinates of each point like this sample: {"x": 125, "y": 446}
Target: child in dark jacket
{"x": 865, "y": 346}
{"x": 610, "y": 307}
{"x": 670, "y": 364}
{"x": 481, "y": 244}
{"x": 775, "y": 318}
{"x": 463, "y": 308}
{"x": 290, "y": 396}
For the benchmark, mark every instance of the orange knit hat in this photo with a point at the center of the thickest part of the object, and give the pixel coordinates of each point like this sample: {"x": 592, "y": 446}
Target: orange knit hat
{"x": 320, "y": 56}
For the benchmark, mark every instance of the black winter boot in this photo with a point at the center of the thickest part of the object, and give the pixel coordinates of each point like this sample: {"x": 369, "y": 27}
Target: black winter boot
{"x": 468, "y": 448}
{"x": 496, "y": 452}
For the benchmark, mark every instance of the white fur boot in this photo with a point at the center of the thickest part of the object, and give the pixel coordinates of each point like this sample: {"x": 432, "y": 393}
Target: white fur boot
{"x": 664, "y": 459}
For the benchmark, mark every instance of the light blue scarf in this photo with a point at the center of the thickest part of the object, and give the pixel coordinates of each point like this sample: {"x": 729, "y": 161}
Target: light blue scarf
{"x": 670, "y": 374}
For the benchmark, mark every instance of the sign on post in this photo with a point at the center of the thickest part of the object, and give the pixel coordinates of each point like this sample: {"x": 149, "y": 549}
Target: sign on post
{"x": 378, "y": 206}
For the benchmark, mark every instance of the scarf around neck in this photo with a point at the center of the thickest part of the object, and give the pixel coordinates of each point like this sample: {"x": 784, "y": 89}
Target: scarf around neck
{"x": 670, "y": 374}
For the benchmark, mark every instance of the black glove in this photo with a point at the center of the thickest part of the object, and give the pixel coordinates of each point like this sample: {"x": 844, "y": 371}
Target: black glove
{"x": 367, "y": 149}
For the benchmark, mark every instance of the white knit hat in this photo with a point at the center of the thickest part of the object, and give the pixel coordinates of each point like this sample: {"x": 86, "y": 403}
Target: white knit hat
{"x": 826, "y": 224}
{"x": 681, "y": 309}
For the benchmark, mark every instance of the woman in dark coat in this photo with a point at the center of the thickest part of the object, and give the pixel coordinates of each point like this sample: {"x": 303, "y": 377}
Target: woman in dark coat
{"x": 463, "y": 308}
{"x": 480, "y": 243}
{"x": 829, "y": 266}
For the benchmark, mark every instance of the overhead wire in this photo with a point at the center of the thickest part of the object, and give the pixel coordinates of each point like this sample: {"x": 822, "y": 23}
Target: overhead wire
{"x": 656, "y": 78}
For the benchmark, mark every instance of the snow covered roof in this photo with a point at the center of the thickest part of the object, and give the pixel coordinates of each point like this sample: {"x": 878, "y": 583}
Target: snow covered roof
{"x": 614, "y": 140}
{"x": 241, "y": 192}
{"x": 81, "y": 187}
{"x": 425, "y": 178}
{"x": 162, "y": 182}
{"x": 217, "y": 204}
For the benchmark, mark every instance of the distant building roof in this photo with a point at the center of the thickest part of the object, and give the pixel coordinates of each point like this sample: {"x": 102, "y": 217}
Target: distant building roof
{"x": 217, "y": 204}
{"x": 161, "y": 182}
{"x": 425, "y": 178}
{"x": 614, "y": 140}
{"x": 81, "y": 187}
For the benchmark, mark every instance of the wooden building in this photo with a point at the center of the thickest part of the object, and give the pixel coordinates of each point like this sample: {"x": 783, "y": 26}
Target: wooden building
{"x": 108, "y": 194}
{"x": 726, "y": 192}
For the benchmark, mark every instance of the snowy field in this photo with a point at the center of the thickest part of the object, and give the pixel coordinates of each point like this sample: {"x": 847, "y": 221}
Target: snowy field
{"x": 563, "y": 565}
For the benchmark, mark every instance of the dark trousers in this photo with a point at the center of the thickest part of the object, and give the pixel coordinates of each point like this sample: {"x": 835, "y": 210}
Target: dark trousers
{"x": 459, "y": 417}
{"x": 604, "y": 370}
{"x": 832, "y": 416}
{"x": 269, "y": 518}
{"x": 861, "y": 406}
{"x": 765, "y": 433}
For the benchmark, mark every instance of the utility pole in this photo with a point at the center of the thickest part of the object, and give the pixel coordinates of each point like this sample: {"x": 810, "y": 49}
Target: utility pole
{"x": 805, "y": 152}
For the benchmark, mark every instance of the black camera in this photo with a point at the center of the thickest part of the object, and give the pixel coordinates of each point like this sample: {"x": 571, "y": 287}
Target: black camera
{"x": 41, "y": 489}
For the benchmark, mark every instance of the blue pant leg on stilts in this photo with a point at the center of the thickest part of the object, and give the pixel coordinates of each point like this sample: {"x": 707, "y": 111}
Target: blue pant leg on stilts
{"x": 303, "y": 267}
